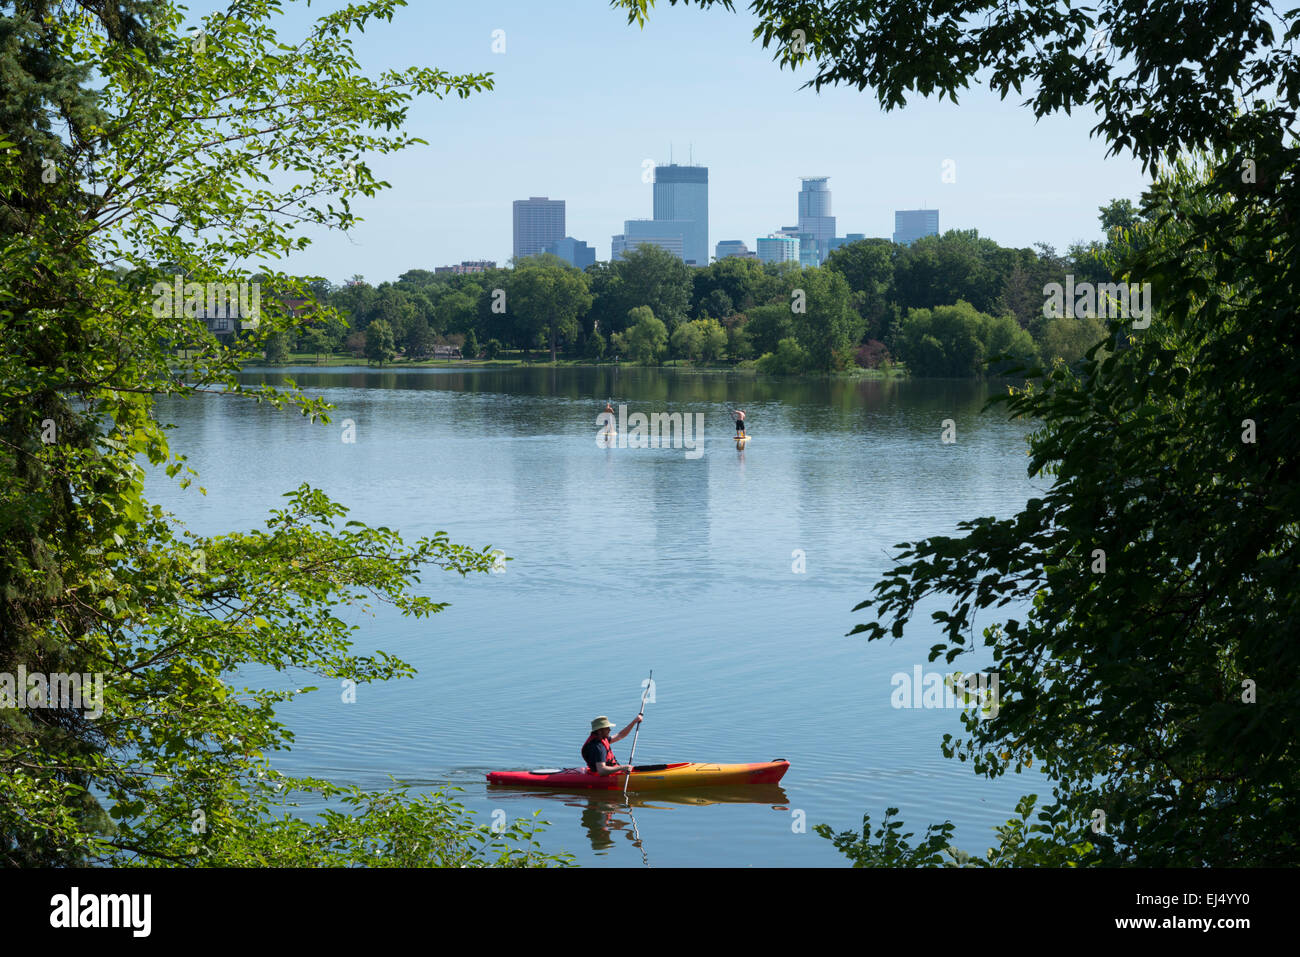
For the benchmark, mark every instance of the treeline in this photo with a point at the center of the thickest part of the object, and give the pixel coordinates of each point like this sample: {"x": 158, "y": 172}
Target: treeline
{"x": 944, "y": 306}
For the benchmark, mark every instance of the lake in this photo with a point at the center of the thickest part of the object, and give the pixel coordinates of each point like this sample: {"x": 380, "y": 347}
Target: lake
{"x": 732, "y": 574}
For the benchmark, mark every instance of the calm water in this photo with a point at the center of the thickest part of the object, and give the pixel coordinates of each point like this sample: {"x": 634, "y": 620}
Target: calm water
{"x": 627, "y": 559}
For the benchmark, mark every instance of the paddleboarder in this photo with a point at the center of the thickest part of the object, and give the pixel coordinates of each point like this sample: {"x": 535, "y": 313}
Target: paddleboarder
{"x": 739, "y": 416}
{"x": 596, "y": 750}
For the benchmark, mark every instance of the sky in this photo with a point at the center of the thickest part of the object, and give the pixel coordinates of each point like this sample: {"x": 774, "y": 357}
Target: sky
{"x": 582, "y": 99}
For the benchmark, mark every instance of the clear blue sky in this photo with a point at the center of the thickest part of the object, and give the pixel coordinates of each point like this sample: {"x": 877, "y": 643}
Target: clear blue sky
{"x": 582, "y": 98}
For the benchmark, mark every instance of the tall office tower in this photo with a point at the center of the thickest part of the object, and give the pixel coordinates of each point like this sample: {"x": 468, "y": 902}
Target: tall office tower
{"x": 538, "y": 221}
{"x": 778, "y": 248}
{"x": 731, "y": 247}
{"x": 911, "y": 224}
{"x": 682, "y": 195}
{"x": 815, "y": 217}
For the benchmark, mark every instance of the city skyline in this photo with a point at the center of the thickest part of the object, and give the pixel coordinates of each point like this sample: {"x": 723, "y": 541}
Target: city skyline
{"x": 1019, "y": 181}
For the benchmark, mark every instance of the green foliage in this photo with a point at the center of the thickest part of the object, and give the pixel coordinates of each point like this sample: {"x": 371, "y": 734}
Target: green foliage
{"x": 1069, "y": 339}
{"x": 646, "y": 337}
{"x": 546, "y": 296}
{"x": 172, "y": 161}
{"x": 868, "y": 267}
{"x": 827, "y": 327}
{"x": 277, "y": 347}
{"x": 492, "y": 349}
{"x": 765, "y": 326}
{"x": 789, "y": 359}
{"x": 379, "y": 342}
{"x": 469, "y": 349}
{"x": 890, "y": 848}
{"x": 699, "y": 339}
{"x": 1050, "y": 842}
{"x": 944, "y": 341}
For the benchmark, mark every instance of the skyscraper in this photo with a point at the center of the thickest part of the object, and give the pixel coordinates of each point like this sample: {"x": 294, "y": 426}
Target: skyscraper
{"x": 681, "y": 195}
{"x": 911, "y": 224}
{"x": 538, "y": 221}
{"x": 815, "y": 217}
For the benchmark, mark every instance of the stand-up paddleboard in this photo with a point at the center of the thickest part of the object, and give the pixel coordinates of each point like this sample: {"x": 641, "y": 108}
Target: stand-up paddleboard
{"x": 741, "y": 440}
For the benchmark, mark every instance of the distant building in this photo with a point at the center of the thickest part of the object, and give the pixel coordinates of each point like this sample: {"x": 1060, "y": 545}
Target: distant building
{"x": 538, "y": 221}
{"x": 575, "y": 252}
{"x": 815, "y": 220}
{"x": 467, "y": 266}
{"x": 666, "y": 234}
{"x": 807, "y": 244}
{"x": 839, "y": 241}
{"x": 911, "y": 224}
{"x": 681, "y": 195}
{"x": 727, "y": 248}
{"x": 778, "y": 249}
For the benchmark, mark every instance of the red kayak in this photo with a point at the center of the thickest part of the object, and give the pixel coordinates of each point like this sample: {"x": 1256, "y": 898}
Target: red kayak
{"x": 647, "y": 777}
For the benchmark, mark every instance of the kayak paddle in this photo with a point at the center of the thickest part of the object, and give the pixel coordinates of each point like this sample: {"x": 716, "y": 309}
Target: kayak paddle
{"x": 627, "y": 777}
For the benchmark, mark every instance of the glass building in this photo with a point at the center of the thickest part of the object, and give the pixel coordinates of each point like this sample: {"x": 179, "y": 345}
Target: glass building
{"x": 911, "y": 224}
{"x": 681, "y": 195}
{"x": 575, "y": 252}
{"x": 815, "y": 219}
{"x": 666, "y": 234}
{"x": 538, "y": 222}
{"x": 732, "y": 247}
{"x": 778, "y": 249}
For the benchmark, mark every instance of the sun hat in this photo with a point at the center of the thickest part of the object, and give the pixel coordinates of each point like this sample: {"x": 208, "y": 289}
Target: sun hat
{"x": 601, "y": 722}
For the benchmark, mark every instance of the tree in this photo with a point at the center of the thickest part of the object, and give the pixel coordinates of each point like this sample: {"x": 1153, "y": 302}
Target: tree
{"x": 654, "y": 277}
{"x": 1070, "y": 339}
{"x": 176, "y": 161}
{"x": 317, "y": 340}
{"x": 789, "y": 359}
{"x": 713, "y": 339}
{"x": 379, "y": 342}
{"x": 277, "y": 347}
{"x": 469, "y": 349}
{"x": 868, "y": 267}
{"x": 687, "y": 340}
{"x": 827, "y": 327}
{"x": 492, "y": 349}
{"x": 646, "y": 336}
{"x": 944, "y": 341}
{"x": 765, "y": 326}
{"x": 548, "y": 296}
{"x": 419, "y": 340}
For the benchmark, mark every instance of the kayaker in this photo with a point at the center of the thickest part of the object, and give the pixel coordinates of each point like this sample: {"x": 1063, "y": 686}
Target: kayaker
{"x": 739, "y": 416}
{"x": 596, "y": 750}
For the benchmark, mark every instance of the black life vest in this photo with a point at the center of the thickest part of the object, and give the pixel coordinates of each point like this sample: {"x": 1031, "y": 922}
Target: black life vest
{"x": 604, "y": 743}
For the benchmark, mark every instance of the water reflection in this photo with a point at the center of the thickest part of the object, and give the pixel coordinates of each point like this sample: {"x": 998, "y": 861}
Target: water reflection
{"x": 605, "y": 814}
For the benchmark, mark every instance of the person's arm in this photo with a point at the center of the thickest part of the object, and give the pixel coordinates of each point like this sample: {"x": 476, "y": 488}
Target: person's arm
{"x": 626, "y": 731}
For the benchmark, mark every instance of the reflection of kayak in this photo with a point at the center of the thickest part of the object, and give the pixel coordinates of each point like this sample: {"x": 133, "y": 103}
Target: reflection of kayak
{"x": 647, "y": 777}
